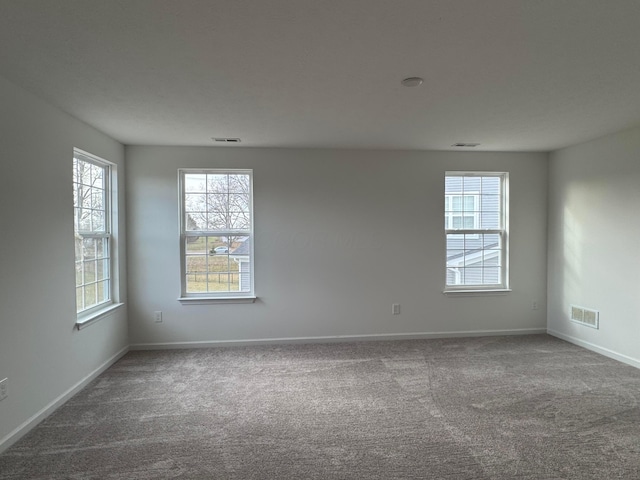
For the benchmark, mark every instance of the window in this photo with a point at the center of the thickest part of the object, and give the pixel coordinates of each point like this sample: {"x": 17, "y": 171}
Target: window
{"x": 216, "y": 234}
{"x": 92, "y": 229}
{"x": 461, "y": 211}
{"x": 476, "y": 231}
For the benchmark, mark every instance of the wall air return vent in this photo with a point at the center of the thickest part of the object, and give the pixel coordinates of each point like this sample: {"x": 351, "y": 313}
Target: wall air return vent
{"x": 585, "y": 316}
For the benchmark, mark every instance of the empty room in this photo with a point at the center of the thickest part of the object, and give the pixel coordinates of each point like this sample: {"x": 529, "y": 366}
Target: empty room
{"x": 319, "y": 239}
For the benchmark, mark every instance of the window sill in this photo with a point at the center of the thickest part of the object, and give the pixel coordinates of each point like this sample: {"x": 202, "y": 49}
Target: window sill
{"x": 215, "y": 300}
{"x": 95, "y": 316}
{"x": 477, "y": 292}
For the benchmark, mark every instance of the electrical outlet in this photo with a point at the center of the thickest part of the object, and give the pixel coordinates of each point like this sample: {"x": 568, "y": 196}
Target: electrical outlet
{"x": 395, "y": 309}
{"x": 3, "y": 389}
{"x": 157, "y": 316}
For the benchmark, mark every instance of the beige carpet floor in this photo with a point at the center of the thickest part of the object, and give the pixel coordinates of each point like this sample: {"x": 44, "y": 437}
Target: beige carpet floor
{"x": 531, "y": 407}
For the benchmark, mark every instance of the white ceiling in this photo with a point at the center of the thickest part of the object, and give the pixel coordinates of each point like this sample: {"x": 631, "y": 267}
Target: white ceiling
{"x": 509, "y": 74}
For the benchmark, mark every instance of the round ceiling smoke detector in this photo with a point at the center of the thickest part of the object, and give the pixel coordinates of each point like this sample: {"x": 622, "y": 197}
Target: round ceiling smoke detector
{"x": 412, "y": 81}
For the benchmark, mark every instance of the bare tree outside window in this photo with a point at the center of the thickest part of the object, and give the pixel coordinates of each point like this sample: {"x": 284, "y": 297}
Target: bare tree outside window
{"x": 216, "y": 222}
{"x": 91, "y": 231}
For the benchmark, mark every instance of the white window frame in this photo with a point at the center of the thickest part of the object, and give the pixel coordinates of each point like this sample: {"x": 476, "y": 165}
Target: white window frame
{"x": 213, "y": 296}
{"x": 96, "y": 311}
{"x": 474, "y": 233}
{"x": 450, "y": 214}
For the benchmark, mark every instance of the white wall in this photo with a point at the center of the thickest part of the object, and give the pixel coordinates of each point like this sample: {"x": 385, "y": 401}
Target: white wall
{"x": 41, "y": 354}
{"x": 340, "y": 236}
{"x": 594, "y": 242}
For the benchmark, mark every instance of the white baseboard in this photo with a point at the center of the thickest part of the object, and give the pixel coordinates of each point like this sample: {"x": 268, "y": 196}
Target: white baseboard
{"x": 634, "y": 362}
{"x": 335, "y": 338}
{"x": 23, "y": 429}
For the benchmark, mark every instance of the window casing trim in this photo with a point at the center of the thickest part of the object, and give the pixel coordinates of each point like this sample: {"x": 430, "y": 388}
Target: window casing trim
{"x": 209, "y": 296}
{"x": 477, "y": 292}
{"x": 503, "y": 233}
{"x": 201, "y": 300}
{"x": 94, "y": 312}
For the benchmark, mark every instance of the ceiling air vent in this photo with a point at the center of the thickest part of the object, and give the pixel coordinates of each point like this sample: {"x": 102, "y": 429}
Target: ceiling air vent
{"x": 463, "y": 144}
{"x": 226, "y": 140}
{"x": 585, "y": 316}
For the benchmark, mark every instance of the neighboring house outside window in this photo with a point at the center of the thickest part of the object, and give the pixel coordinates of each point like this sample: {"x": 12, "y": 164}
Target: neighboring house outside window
{"x": 242, "y": 256}
{"x": 216, "y": 233}
{"x": 461, "y": 211}
{"x": 92, "y": 228}
{"x": 476, "y": 231}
